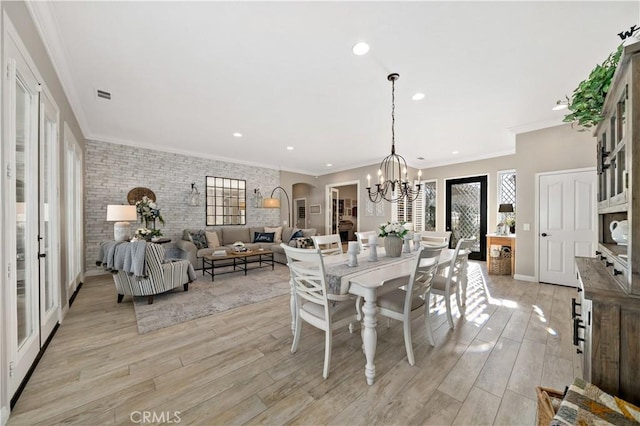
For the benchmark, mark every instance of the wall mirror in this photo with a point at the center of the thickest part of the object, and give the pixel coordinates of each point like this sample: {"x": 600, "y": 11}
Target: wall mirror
{"x": 226, "y": 201}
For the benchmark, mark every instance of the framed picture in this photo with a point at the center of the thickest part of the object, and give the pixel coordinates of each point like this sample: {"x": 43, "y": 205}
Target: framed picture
{"x": 315, "y": 209}
{"x": 348, "y": 212}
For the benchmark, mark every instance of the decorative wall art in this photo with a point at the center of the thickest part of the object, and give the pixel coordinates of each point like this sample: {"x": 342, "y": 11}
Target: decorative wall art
{"x": 137, "y": 193}
{"x": 369, "y": 209}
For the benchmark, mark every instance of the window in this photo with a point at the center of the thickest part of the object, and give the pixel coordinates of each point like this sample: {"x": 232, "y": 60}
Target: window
{"x": 507, "y": 187}
{"x": 429, "y": 206}
{"x": 421, "y": 212}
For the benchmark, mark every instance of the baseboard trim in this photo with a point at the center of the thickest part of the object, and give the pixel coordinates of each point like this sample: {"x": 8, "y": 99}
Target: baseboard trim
{"x": 75, "y": 293}
{"x": 4, "y": 415}
{"x": 525, "y": 278}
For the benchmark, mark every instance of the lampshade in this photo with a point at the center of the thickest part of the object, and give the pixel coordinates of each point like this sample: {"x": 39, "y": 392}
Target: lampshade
{"x": 271, "y": 203}
{"x": 120, "y": 215}
{"x": 505, "y": 208}
{"x": 116, "y": 213}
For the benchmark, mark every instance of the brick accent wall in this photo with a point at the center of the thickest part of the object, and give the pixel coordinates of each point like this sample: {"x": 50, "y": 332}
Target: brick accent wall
{"x": 112, "y": 170}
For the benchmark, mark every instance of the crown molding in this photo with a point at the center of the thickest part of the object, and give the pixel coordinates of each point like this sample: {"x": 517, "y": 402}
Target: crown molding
{"x": 536, "y": 125}
{"x": 45, "y": 22}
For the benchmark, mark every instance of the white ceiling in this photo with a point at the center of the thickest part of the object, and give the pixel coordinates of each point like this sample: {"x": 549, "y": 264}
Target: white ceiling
{"x": 184, "y": 76}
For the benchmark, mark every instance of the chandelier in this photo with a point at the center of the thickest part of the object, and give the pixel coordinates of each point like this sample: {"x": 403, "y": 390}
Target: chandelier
{"x": 393, "y": 184}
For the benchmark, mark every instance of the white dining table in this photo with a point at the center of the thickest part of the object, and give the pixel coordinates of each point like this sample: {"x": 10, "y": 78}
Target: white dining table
{"x": 368, "y": 283}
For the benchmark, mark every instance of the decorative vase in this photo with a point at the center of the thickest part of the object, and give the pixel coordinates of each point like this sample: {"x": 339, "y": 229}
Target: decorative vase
{"x": 512, "y": 229}
{"x": 393, "y": 245}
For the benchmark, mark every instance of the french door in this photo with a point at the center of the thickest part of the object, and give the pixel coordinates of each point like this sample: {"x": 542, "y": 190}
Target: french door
{"x": 466, "y": 214}
{"x": 30, "y": 149}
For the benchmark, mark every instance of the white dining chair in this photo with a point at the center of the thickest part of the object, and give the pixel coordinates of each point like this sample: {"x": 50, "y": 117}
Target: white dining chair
{"x": 363, "y": 238}
{"x": 431, "y": 238}
{"x": 454, "y": 280}
{"x": 314, "y": 304}
{"x": 405, "y": 304}
{"x": 328, "y": 244}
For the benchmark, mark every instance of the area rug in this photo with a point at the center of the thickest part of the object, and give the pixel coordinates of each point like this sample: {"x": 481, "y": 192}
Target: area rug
{"x": 205, "y": 297}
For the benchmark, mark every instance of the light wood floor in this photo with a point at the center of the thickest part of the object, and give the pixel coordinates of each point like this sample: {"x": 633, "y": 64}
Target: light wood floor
{"x": 236, "y": 367}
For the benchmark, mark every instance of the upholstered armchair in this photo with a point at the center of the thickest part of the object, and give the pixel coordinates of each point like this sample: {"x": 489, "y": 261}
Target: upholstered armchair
{"x": 161, "y": 276}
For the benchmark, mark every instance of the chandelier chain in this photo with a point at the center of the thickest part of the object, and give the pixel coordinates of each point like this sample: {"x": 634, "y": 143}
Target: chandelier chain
{"x": 393, "y": 116}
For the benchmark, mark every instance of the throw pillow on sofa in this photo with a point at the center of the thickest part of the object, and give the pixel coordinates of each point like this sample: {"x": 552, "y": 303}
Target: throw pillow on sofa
{"x": 212, "y": 239}
{"x": 277, "y": 231}
{"x": 263, "y": 237}
{"x": 297, "y": 234}
{"x": 199, "y": 239}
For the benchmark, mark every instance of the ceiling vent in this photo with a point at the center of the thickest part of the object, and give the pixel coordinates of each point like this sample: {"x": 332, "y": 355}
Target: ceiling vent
{"x": 104, "y": 95}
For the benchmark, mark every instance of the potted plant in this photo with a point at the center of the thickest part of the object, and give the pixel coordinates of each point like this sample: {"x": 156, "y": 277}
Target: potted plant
{"x": 587, "y": 100}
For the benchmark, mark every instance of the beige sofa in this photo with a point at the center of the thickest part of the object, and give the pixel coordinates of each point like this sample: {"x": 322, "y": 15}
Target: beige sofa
{"x": 229, "y": 235}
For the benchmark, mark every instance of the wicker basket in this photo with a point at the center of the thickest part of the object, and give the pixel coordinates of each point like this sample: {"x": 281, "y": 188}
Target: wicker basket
{"x": 500, "y": 265}
{"x": 548, "y": 403}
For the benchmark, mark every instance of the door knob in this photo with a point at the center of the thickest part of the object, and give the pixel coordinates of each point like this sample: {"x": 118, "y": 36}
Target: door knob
{"x": 544, "y": 234}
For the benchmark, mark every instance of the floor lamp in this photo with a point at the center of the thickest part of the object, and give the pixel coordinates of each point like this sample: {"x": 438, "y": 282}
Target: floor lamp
{"x": 274, "y": 203}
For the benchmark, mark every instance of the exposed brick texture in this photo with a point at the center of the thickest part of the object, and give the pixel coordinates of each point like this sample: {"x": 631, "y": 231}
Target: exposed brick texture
{"x": 112, "y": 170}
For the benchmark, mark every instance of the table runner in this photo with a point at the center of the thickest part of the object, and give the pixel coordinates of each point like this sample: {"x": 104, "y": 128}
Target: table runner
{"x": 338, "y": 274}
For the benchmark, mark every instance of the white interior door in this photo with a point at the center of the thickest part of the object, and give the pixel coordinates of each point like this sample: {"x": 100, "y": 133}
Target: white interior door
{"x": 568, "y": 224}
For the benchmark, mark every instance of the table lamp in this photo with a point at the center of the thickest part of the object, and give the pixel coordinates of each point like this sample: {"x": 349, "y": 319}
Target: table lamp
{"x": 121, "y": 215}
{"x": 504, "y": 208}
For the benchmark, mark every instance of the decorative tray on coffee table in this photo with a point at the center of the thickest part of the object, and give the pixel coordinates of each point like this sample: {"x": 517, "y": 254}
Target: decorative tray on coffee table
{"x": 241, "y": 252}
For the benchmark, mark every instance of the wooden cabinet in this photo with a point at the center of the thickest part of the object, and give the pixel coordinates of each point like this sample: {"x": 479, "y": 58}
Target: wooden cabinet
{"x": 606, "y": 315}
{"x": 606, "y": 331}
{"x": 618, "y": 138}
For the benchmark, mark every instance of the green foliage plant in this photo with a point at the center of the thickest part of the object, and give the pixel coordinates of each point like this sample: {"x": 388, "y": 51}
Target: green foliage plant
{"x": 587, "y": 100}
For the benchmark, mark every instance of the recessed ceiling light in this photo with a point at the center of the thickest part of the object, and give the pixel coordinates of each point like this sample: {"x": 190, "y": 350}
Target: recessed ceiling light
{"x": 290, "y": 148}
{"x": 455, "y": 152}
{"x": 237, "y": 135}
{"x": 360, "y": 48}
{"x": 418, "y": 96}
{"x": 329, "y": 164}
{"x": 560, "y": 105}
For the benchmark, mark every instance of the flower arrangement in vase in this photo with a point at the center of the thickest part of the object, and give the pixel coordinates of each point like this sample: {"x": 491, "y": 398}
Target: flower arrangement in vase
{"x": 396, "y": 229}
{"x": 146, "y": 234}
{"x": 149, "y": 212}
{"x": 511, "y": 224}
{"x": 393, "y": 233}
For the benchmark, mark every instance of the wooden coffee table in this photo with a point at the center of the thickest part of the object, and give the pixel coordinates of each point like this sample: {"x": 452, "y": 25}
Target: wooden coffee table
{"x": 237, "y": 261}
